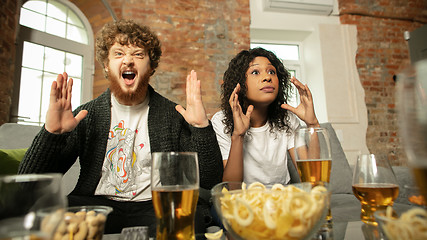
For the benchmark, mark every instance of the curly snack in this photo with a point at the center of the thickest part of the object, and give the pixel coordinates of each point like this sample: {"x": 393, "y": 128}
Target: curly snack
{"x": 215, "y": 235}
{"x": 282, "y": 212}
{"x": 411, "y": 225}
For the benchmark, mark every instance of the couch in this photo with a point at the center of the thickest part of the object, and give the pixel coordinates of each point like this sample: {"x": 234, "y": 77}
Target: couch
{"x": 344, "y": 206}
{"x": 14, "y": 141}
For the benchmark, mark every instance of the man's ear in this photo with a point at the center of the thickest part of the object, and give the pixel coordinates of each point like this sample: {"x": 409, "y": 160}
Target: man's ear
{"x": 106, "y": 69}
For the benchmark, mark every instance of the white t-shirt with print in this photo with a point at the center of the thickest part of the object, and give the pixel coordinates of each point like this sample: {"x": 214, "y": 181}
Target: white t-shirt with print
{"x": 264, "y": 153}
{"x": 127, "y": 165}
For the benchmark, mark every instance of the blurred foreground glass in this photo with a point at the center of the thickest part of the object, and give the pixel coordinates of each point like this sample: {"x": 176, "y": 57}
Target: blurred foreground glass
{"x": 374, "y": 185}
{"x": 175, "y": 191}
{"x": 23, "y": 203}
{"x": 313, "y": 156}
{"x": 412, "y": 112}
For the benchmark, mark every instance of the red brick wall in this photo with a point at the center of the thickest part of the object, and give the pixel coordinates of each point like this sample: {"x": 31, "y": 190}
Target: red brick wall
{"x": 197, "y": 34}
{"x": 8, "y": 22}
{"x": 382, "y": 53}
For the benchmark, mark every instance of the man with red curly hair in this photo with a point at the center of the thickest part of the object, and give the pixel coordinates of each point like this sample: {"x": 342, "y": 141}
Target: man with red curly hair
{"x": 114, "y": 135}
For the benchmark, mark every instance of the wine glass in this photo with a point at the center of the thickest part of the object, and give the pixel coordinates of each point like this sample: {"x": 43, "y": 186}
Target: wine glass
{"x": 313, "y": 156}
{"x": 175, "y": 191}
{"x": 412, "y": 112}
{"x": 374, "y": 185}
{"x": 31, "y": 205}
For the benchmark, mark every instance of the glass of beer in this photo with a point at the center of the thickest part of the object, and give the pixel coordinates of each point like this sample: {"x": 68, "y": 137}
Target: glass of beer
{"x": 31, "y": 206}
{"x": 411, "y": 91}
{"x": 175, "y": 191}
{"x": 313, "y": 156}
{"x": 374, "y": 185}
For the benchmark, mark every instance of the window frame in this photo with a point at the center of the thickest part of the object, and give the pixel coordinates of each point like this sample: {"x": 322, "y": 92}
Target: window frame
{"x": 62, "y": 44}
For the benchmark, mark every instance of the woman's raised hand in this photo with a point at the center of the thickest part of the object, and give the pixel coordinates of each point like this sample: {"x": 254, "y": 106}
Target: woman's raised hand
{"x": 59, "y": 117}
{"x": 241, "y": 121}
{"x": 305, "y": 110}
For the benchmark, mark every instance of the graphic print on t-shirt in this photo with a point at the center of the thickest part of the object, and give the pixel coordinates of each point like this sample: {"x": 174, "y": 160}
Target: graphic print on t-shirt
{"x": 121, "y": 154}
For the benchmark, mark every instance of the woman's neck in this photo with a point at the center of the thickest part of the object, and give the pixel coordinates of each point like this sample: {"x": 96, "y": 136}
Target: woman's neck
{"x": 259, "y": 117}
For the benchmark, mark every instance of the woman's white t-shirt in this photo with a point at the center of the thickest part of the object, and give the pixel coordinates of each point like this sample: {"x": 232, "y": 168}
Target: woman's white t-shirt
{"x": 264, "y": 153}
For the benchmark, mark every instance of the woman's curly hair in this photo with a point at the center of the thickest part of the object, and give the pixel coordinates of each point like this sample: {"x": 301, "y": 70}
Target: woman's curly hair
{"x": 236, "y": 73}
{"x": 127, "y": 32}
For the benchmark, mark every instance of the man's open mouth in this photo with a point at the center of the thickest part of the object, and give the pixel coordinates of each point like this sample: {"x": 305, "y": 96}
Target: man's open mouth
{"x": 128, "y": 75}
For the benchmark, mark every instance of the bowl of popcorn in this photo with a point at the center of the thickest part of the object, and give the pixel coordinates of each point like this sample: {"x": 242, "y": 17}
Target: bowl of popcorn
{"x": 411, "y": 224}
{"x": 82, "y": 222}
{"x": 256, "y": 211}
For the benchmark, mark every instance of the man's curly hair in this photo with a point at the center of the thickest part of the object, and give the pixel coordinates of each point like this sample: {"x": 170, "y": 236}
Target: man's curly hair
{"x": 127, "y": 32}
{"x": 236, "y": 73}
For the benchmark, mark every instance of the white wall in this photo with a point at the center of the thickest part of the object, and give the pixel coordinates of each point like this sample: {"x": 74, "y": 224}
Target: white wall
{"x": 329, "y": 68}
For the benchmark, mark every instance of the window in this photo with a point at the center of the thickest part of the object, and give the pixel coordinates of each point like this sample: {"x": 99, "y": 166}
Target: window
{"x": 54, "y": 37}
{"x": 290, "y": 56}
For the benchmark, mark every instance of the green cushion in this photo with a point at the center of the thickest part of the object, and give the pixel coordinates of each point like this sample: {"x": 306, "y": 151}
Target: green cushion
{"x": 10, "y": 159}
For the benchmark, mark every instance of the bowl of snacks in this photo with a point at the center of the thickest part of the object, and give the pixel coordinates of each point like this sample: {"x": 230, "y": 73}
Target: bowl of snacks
{"x": 411, "y": 224}
{"x": 256, "y": 211}
{"x": 82, "y": 222}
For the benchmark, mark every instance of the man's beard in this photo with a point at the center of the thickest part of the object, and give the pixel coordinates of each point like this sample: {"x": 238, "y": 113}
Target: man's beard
{"x": 131, "y": 97}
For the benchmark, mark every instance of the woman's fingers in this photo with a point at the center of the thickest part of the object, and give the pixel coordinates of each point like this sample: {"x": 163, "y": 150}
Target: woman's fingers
{"x": 234, "y": 96}
{"x": 249, "y": 111}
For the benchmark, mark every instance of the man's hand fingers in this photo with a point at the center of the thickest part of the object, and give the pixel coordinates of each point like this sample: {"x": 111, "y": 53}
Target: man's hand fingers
{"x": 180, "y": 109}
{"x": 69, "y": 90}
{"x": 82, "y": 114}
{"x": 53, "y": 92}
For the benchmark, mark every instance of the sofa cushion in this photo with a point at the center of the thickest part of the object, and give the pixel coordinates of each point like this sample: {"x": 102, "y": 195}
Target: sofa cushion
{"x": 341, "y": 174}
{"x": 13, "y": 135}
{"x": 404, "y": 179}
{"x": 10, "y": 159}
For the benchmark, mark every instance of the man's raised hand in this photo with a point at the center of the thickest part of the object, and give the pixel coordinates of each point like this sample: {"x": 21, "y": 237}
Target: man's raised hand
{"x": 195, "y": 113}
{"x": 59, "y": 117}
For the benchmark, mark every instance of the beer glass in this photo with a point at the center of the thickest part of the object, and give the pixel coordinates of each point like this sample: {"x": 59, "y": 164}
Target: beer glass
{"x": 31, "y": 205}
{"x": 313, "y": 156}
{"x": 412, "y": 112}
{"x": 374, "y": 185}
{"x": 175, "y": 191}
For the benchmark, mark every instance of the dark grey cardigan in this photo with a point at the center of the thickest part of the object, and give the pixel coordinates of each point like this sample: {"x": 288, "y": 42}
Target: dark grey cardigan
{"x": 168, "y": 131}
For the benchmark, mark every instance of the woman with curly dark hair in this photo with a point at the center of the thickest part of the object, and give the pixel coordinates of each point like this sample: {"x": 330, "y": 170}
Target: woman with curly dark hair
{"x": 255, "y": 127}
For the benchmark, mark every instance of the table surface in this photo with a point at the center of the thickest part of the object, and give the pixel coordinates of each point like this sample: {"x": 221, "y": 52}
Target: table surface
{"x": 341, "y": 230}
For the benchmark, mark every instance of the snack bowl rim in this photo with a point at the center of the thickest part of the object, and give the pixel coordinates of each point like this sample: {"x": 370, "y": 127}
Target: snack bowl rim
{"x": 87, "y": 208}
{"x": 216, "y": 192}
{"x": 381, "y": 219}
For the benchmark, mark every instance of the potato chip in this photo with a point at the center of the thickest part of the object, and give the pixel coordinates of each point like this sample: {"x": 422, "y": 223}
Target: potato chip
{"x": 215, "y": 235}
